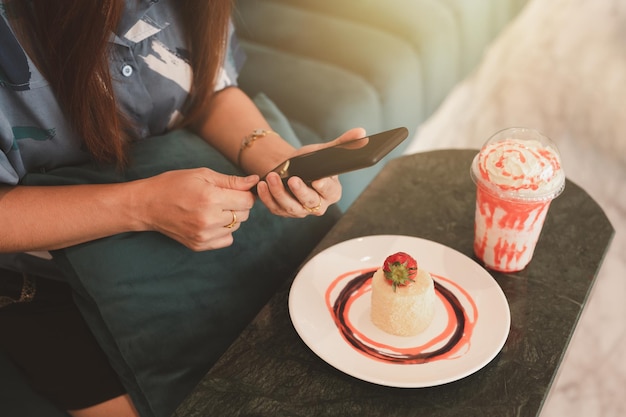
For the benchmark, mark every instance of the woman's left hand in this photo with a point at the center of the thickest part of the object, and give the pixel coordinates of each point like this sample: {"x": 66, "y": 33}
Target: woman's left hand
{"x": 303, "y": 200}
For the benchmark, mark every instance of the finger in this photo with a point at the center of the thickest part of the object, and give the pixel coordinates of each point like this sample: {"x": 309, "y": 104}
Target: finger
{"x": 224, "y": 199}
{"x": 235, "y": 218}
{"x": 267, "y": 198}
{"x": 329, "y": 188}
{"x": 350, "y": 135}
{"x": 310, "y": 199}
{"x": 223, "y": 240}
{"x": 354, "y": 133}
{"x": 313, "y": 204}
{"x": 235, "y": 182}
{"x": 313, "y": 208}
{"x": 277, "y": 188}
{"x": 214, "y": 238}
{"x": 278, "y": 199}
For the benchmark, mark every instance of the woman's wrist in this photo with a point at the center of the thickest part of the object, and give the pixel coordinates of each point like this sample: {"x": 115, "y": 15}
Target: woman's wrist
{"x": 249, "y": 140}
{"x": 232, "y": 125}
{"x": 266, "y": 154}
{"x": 54, "y": 217}
{"x": 139, "y": 201}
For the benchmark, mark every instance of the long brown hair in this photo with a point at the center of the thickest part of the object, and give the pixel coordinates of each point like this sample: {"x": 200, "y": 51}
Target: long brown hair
{"x": 68, "y": 41}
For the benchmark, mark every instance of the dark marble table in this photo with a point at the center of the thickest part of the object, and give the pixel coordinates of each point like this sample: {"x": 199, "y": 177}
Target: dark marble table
{"x": 269, "y": 371}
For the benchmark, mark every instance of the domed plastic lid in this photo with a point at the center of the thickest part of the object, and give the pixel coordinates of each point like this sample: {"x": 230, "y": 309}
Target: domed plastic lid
{"x": 519, "y": 164}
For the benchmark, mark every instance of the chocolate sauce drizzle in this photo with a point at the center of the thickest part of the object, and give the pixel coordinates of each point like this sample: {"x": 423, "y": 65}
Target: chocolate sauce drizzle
{"x": 352, "y": 287}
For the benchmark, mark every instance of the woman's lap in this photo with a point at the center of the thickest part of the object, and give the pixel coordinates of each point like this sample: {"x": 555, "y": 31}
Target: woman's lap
{"x": 48, "y": 340}
{"x": 162, "y": 313}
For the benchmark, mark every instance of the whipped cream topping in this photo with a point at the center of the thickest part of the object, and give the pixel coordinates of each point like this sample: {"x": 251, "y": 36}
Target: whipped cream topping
{"x": 524, "y": 169}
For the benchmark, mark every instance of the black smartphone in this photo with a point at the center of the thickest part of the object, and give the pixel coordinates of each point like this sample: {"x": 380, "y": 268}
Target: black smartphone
{"x": 345, "y": 157}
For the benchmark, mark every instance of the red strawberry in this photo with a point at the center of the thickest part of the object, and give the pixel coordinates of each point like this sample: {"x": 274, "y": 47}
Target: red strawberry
{"x": 400, "y": 269}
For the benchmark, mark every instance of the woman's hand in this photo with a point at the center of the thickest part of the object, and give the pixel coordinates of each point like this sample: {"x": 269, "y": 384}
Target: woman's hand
{"x": 199, "y": 208}
{"x": 303, "y": 201}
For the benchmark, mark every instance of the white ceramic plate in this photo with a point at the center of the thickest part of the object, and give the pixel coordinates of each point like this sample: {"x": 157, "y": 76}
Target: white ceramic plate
{"x": 362, "y": 350}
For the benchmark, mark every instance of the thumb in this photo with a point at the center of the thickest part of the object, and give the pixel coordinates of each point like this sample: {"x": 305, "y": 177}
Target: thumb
{"x": 235, "y": 182}
{"x": 354, "y": 133}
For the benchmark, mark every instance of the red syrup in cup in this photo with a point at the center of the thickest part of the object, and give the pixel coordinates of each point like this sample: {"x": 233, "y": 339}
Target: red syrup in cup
{"x": 517, "y": 174}
{"x": 506, "y": 233}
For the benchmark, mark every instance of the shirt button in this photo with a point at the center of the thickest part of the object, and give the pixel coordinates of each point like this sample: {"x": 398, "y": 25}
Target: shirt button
{"x": 127, "y": 70}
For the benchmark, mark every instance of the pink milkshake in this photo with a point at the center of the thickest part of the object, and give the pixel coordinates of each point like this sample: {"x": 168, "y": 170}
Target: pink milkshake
{"x": 517, "y": 174}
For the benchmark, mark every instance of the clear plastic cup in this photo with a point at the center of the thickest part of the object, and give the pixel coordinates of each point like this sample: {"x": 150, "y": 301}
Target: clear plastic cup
{"x": 517, "y": 173}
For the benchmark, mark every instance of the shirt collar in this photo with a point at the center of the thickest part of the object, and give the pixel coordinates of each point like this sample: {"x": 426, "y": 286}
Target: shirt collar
{"x": 134, "y": 10}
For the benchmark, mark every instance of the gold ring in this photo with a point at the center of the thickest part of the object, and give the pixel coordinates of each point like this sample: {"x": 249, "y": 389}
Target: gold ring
{"x": 234, "y": 222}
{"x": 314, "y": 209}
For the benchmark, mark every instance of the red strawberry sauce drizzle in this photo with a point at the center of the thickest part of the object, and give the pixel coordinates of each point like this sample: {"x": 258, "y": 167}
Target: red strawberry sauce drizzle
{"x": 542, "y": 157}
{"x": 455, "y": 336}
{"x": 515, "y": 217}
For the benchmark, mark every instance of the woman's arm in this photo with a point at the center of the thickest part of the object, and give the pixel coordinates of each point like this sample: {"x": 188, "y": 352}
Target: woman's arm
{"x": 190, "y": 206}
{"x": 43, "y": 218}
{"x": 231, "y": 117}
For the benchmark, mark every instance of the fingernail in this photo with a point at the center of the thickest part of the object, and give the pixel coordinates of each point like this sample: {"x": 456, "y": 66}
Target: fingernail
{"x": 296, "y": 185}
{"x": 273, "y": 179}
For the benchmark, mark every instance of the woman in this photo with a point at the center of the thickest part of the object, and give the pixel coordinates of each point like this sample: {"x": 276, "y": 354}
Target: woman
{"x": 84, "y": 81}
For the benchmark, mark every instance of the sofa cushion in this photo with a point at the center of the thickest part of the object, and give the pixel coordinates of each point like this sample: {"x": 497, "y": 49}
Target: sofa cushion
{"x": 319, "y": 62}
{"x": 426, "y": 27}
{"x": 161, "y": 312}
{"x": 353, "y": 100}
{"x": 329, "y": 74}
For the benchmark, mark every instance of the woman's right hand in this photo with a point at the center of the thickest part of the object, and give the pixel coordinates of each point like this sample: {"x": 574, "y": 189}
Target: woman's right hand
{"x": 195, "y": 206}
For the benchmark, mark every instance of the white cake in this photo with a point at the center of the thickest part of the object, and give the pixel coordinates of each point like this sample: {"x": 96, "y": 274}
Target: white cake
{"x": 408, "y": 310}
